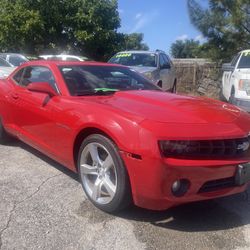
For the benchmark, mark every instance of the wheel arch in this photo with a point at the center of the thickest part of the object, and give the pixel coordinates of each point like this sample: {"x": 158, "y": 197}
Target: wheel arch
{"x": 84, "y": 133}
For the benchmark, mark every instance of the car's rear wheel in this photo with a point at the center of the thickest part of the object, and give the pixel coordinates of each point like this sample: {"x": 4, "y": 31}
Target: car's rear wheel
{"x": 4, "y": 136}
{"x": 103, "y": 175}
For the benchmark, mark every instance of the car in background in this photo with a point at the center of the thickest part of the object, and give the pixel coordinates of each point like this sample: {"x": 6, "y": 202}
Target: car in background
{"x": 64, "y": 57}
{"x": 128, "y": 140}
{"x": 14, "y": 59}
{"x": 236, "y": 80}
{"x": 157, "y": 66}
{"x": 5, "y": 68}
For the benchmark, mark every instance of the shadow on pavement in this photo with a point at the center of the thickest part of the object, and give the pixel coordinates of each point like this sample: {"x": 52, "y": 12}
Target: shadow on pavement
{"x": 193, "y": 217}
{"x": 58, "y": 166}
{"x": 212, "y": 215}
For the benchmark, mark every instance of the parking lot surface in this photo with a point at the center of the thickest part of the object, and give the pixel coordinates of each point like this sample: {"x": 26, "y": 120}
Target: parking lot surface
{"x": 43, "y": 207}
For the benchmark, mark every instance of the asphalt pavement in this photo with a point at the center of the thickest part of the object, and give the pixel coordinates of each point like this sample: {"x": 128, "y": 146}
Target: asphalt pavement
{"x": 42, "y": 206}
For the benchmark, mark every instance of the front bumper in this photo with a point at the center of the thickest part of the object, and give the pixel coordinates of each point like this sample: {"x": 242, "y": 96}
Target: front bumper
{"x": 152, "y": 179}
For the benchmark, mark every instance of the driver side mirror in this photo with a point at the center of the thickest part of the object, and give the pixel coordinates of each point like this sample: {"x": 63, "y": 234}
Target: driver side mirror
{"x": 42, "y": 87}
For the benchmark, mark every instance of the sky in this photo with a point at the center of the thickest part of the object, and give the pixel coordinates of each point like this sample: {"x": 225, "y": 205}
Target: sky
{"x": 161, "y": 21}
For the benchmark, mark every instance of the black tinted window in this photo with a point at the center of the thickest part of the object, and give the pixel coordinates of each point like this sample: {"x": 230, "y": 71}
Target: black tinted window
{"x": 18, "y": 76}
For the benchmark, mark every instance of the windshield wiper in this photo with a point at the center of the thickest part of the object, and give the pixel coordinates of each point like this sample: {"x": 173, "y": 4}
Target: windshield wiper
{"x": 96, "y": 91}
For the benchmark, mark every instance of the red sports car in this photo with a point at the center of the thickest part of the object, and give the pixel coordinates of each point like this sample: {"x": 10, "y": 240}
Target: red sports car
{"x": 128, "y": 140}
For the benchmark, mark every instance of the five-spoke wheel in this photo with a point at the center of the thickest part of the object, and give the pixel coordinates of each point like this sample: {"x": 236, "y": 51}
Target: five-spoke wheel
{"x": 102, "y": 173}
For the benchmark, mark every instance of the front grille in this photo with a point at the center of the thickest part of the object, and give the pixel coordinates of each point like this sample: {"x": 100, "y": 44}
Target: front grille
{"x": 206, "y": 149}
{"x": 214, "y": 185}
{"x": 225, "y": 148}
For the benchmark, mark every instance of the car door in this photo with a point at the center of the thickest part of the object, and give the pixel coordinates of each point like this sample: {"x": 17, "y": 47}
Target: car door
{"x": 171, "y": 70}
{"x": 228, "y": 76}
{"x": 34, "y": 112}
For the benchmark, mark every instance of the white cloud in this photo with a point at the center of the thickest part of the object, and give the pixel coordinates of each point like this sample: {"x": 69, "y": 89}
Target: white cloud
{"x": 182, "y": 37}
{"x": 138, "y": 15}
{"x": 200, "y": 38}
{"x": 142, "y": 19}
{"x": 121, "y": 11}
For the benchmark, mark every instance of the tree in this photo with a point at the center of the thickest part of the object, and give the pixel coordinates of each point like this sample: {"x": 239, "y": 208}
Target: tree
{"x": 134, "y": 41}
{"x": 88, "y": 27}
{"x": 188, "y": 48}
{"x": 225, "y": 24}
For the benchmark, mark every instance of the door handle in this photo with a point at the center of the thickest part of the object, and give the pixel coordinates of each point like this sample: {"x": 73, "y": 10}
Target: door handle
{"x": 14, "y": 96}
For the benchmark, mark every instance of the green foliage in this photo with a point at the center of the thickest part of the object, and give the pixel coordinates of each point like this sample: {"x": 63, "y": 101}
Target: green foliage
{"x": 88, "y": 27}
{"x": 225, "y": 24}
{"x": 134, "y": 41}
{"x": 187, "y": 49}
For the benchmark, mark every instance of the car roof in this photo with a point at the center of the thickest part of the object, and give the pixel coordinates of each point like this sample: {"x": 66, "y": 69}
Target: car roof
{"x": 69, "y": 63}
{"x": 246, "y": 50}
{"x": 17, "y": 54}
{"x": 142, "y": 51}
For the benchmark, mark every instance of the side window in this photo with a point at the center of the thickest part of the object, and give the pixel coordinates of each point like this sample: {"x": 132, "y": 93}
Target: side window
{"x": 37, "y": 74}
{"x": 167, "y": 60}
{"x": 18, "y": 76}
{"x": 162, "y": 61}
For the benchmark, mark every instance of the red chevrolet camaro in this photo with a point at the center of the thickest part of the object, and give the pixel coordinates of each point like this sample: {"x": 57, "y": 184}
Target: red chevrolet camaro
{"x": 128, "y": 140}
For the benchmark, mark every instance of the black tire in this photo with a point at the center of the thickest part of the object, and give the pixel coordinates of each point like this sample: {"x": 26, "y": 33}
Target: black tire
{"x": 4, "y": 136}
{"x": 122, "y": 197}
{"x": 174, "y": 89}
{"x": 232, "y": 97}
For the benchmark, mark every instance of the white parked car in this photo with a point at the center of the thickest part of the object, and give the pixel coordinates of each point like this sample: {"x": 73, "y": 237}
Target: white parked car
{"x": 236, "y": 80}
{"x": 64, "y": 57}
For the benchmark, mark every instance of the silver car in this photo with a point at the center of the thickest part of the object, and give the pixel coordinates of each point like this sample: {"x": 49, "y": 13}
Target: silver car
{"x": 156, "y": 66}
{"x": 14, "y": 59}
{"x": 5, "y": 68}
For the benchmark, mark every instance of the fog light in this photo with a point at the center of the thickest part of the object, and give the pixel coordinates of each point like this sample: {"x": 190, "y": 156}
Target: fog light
{"x": 180, "y": 187}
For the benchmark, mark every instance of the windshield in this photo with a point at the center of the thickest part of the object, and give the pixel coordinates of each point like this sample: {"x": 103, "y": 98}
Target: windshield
{"x": 3, "y": 63}
{"x": 17, "y": 60}
{"x": 86, "y": 80}
{"x": 135, "y": 59}
{"x": 244, "y": 61}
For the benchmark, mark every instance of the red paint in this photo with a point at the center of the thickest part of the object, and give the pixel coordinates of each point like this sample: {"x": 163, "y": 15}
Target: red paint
{"x": 136, "y": 121}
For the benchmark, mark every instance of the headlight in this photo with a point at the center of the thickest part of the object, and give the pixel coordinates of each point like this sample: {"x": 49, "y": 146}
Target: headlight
{"x": 244, "y": 84}
{"x": 179, "y": 148}
{"x": 148, "y": 75}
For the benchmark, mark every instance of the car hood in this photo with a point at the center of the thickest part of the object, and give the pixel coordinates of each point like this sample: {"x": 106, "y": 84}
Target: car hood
{"x": 143, "y": 69}
{"x": 166, "y": 107}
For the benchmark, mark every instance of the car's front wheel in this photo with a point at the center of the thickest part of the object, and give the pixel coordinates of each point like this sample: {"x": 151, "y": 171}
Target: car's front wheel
{"x": 103, "y": 175}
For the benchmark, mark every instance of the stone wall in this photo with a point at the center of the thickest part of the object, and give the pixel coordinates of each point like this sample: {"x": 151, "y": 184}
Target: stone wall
{"x": 198, "y": 77}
